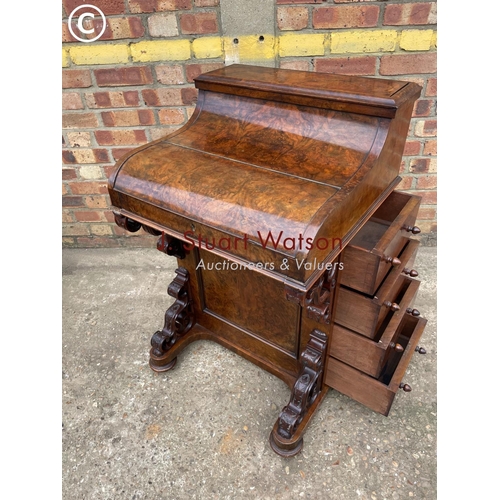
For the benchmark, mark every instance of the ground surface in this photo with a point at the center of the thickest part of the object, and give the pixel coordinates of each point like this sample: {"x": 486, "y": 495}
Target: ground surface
{"x": 201, "y": 430}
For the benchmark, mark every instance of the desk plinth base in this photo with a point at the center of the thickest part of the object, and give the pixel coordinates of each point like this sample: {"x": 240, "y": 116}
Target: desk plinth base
{"x": 184, "y": 324}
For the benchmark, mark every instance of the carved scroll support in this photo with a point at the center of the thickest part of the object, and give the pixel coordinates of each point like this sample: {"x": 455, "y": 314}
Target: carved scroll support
{"x": 179, "y": 319}
{"x": 286, "y": 437}
{"x": 319, "y": 300}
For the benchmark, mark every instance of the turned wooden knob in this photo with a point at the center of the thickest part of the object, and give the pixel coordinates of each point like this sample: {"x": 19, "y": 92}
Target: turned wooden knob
{"x": 420, "y": 350}
{"x": 391, "y": 305}
{"x": 410, "y": 272}
{"x": 405, "y": 387}
{"x": 397, "y": 347}
{"x": 412, "y": 229}
{"x": 413, "y": 312}
{"x": 393, "y": 260}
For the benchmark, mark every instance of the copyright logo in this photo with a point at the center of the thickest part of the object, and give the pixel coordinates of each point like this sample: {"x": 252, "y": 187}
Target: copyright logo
{"x": 83, "y": 12}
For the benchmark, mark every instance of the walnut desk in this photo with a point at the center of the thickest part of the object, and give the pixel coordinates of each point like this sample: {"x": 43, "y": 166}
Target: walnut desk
{"x": 259, "y": 197}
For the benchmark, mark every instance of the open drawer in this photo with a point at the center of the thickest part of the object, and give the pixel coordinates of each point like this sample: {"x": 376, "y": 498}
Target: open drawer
{"x": 366, "y": 314}
{"x": 370, "y": 356}
{"x": 374, "y": 250}
{"x": 378, "y": 393}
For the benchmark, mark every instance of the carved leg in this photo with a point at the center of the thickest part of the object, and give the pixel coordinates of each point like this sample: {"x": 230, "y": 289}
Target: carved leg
{"x": 286, "y": 436}
{"x": 179, "y": 319}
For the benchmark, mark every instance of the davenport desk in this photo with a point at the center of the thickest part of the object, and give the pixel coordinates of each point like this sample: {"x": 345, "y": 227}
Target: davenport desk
{"x": 294, "y": 250}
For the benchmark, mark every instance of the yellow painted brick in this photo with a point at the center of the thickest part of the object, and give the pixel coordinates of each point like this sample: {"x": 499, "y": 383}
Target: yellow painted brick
{"x": 207, "y": 47}
{"x": 361, "y": 41}
{"x": 434, "y": 42}
{"x": 99, "y": 54}
{"x": 250, "y": 48}
{"x": 416, "y": 39}
{"x": 65, "y": 58}
{"x": 302, "y": 45}
{"x": 161, "y": 50}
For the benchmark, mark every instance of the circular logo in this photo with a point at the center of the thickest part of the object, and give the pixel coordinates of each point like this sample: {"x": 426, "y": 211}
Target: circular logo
{"x": 87, "y": 13}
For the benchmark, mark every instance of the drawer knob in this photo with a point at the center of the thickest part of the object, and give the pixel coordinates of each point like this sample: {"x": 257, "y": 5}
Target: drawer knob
{"x": 410, "y": 272}
{"x": 413, "y": 312}
{"x": 405, "y": 387}
{"x": 392, "y": 260}
{"x": 412, "y": 229}
{"x": 397, "y": 347}
{"x": 420, "y": 350}
{"x": 391, "y": 305}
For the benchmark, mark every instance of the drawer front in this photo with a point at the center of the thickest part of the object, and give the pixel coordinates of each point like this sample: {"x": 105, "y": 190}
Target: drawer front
{"x": 364, "y": 314}
{"x": 370, "y": 356}
{"x": 370, "y": 255}
{"x": 377, "y": 393}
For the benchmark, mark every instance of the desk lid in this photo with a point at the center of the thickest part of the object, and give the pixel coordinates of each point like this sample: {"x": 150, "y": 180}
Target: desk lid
{"x": 269, "y": 167}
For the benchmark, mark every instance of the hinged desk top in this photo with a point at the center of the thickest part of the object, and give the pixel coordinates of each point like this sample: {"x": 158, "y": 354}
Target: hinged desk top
{"x": 273, "y": 164}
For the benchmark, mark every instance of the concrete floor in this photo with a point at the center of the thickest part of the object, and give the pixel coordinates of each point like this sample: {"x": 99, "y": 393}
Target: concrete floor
{"x": 201, "y": 430}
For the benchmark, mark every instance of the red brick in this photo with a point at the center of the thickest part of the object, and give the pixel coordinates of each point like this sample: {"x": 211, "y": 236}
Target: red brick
{"x": 170, "y": 74}
{"x": 135, "y": 75}
{"x": 426, "y": 128}
{"x": 85, "y": 156}
{"x": 128, "y": 118}
{"x": 76, "y": 78}
{"x": 431, "y": 89}
{"x": 66, "y": 33}
{"x": 408, "y": 13}
{"x": 189, "y": 95}
{"x": 427, "y": 182}
{"x": 170, "y": 97}
{"x": 87, "y": 216}
{"x": 96, "y": 201}
{"x": 408, "y": 64}
{"x": 280, "y": 2}
{"x": 72, "y": 201}
{"x": 89, "y": 187}
{"x": 140, "y": 6}
{"x": 171, "y": 116}
{"x": 419, "y": 165}
{"x": 71, "y": 100}
{"x": 79, "y": 120}
{"x": 162, "y": 97}
{"x": 206, "y": 3}
{"x": 107, "y": 6}
{"x": 427, "y": 197}
{"x": 412, "y": 148}
{"x": 120, "y": 137}
{"x": 68, "y": 174}
{"x": 195, "y": 70}
{"x": 199, "y": 23}
{"x": 347, "y": 65}
{"x": 116, "y": 28}
{"x": 125, "y": 99}
{"x": 430, "y": 148}
{"x": 345, "y": 17}
{"x": 428, "y": 213}
{"x": 292, "y": 18}
{"x": 299, "y": 65}
{"x": 423, "y": 107}
{"x": 406, "y": 182}
{"x": 117, "y": 154}
{"x": 79, "y": 139}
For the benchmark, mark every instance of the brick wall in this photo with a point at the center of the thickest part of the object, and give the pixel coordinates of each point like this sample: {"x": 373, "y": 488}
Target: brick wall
{"x": 135, "y": 83}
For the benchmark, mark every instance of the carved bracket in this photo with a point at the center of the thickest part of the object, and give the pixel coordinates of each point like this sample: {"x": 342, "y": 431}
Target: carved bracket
{"x": 171, "y": 246}
{"x": 319, "y": 299}
{"x": 179, "y": 317}
{"x": 307, "y": 386}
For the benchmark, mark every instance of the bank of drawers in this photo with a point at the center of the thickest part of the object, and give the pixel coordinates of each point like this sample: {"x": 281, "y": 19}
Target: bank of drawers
{"x": 376, "y": 329}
